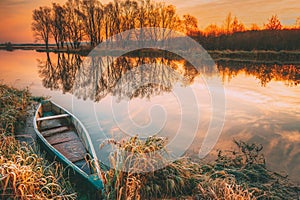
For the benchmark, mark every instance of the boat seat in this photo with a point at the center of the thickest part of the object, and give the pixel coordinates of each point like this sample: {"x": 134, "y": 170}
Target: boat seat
{"x": 52, "y": 117}
{"x": 54, "y": 131}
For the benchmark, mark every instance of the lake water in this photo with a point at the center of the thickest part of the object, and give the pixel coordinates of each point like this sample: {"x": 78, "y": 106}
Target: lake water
{"x": 262, "y": 100}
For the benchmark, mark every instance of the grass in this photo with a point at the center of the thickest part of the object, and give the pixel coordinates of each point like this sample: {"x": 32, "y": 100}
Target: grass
{"x": 26, "y": 175}
{"x": 247, "y": 166}
{"x": 13, "y": 104}
{"x": 24, "y": 172}
{"x": 236, "y": 175}
{"x": 257, "y": 56}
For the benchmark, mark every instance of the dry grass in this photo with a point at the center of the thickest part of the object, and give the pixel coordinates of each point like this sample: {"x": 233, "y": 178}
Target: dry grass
{"x": 248, "y": 168}
{"x": 180, "y": 179}
{"x": 24, "y": 174}
{"x": 223, "y": 188}
{"x": 13, "y": 104}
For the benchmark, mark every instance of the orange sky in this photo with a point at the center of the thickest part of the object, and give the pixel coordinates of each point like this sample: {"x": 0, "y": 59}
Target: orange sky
{"x": 16, "y": 14}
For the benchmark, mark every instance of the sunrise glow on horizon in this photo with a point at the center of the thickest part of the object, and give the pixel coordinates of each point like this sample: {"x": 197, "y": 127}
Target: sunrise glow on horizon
{"x": 16, "y": 15}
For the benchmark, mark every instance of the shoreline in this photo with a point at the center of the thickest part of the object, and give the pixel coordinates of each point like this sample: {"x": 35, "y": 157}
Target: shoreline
{"x": 86, "y": 48}
{"x": 253, "y": 56}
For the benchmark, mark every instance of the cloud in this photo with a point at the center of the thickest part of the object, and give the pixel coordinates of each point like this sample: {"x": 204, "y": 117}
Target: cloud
{"x": 8, "y": 3}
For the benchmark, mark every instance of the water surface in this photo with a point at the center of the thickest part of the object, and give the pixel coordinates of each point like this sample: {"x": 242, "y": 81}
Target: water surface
{"x": 262, "y": 100}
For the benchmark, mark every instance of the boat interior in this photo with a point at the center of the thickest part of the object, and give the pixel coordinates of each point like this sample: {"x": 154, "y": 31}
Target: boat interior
{"x": 57, "y": 128}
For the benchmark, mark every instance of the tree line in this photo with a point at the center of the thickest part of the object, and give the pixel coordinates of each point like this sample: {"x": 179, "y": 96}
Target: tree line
{"x": 275, "y": 40}
{"x": 233, "y": 35}
{"x": 79, "y": 21}
{"x": 89, "y": 20}
{"x": 232, "y": 24}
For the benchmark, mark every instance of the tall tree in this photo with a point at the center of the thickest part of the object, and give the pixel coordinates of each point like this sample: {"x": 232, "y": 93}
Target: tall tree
{"x": 237, "y": 26}
{"x": 74, "y": 28}
{"x": 90, "y": 15}
{"x": 41, "y": 25}
{"x": 190, "y": 24}
{"x": 129, "y": 12}
{"x": 273, "y": 23}
{"x": 89, "y": 20}
{"x": 58, "y": 24}
{"x": 212, "y": 30}
{"x": 254, "y": 27}
{"x": 298, "y": 22}
{"x": 227, "y": 24}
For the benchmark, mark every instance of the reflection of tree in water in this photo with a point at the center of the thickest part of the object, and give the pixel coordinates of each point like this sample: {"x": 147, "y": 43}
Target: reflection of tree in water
{"x": 124, "y": 77}
{"x": 131, "y": 77}
{"x": 290, "y": 74}
{"x": 59, "y": 73}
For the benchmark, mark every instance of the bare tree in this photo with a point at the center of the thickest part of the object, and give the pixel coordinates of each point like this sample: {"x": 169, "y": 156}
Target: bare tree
{"x": 273, "y": 23}
{"x": 237, "y": 26}
{"x": 254, "y": 27}
{"x": 58, "y": 24}
{"x": 41, "y": 25}
{"x": 298, "y": 22}
{"x": 227, "y": 24}
{"x": 212, "y": 30}
{"x": 79, "y": 20}
{"x": 190, "y": 24}
{"x": 130, "y": 11}
{"x": 74, "y": 26}
{"x": 99, "y": 22}
{"x": 108, "y": 9}
{"x": 90, "y": 15}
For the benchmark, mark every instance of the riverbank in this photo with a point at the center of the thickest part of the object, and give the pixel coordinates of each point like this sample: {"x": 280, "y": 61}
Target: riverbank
{"x": 25, "y": 173}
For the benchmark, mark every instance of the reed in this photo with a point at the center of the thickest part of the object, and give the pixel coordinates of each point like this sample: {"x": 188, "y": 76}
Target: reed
{"x": 240, "y": 174}
{"x": 182, "y": 178}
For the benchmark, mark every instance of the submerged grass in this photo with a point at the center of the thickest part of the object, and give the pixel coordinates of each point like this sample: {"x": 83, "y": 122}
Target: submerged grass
{"x": 24, "y": 173}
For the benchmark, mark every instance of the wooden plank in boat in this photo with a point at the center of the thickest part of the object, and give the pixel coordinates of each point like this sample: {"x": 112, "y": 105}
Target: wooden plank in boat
{"x": 53, "y": 131}
{"x": 72, "y": 150}
{"x": 62, "y": 137}
{"x": 52, "y": 117}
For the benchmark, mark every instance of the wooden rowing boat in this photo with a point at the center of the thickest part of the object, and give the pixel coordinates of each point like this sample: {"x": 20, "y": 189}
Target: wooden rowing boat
{"x": 64, "y": 137}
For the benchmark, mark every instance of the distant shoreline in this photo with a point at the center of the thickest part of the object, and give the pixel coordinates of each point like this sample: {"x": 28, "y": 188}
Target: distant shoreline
{"x": 260, "y": 56}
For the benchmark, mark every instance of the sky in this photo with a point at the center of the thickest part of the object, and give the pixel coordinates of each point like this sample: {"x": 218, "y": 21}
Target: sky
{"x": 16, "y": 15}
